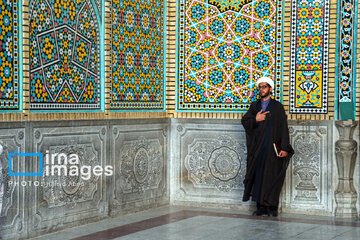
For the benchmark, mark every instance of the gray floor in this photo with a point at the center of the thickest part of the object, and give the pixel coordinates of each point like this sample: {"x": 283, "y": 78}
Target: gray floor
{"x": 217, "y": 228}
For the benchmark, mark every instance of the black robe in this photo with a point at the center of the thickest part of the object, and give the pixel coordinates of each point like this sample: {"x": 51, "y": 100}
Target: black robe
{"x": 265, "y": 172}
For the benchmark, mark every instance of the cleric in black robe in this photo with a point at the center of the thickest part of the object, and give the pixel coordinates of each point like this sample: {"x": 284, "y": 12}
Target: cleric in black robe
{"x": 265, "y": 123}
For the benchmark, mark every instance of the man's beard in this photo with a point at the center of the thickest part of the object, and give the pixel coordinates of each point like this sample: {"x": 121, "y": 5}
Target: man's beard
{"x": 267, "y": 94}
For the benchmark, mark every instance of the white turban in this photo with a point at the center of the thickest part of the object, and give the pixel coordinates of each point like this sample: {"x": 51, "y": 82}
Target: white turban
{"x": 265, "y": 80}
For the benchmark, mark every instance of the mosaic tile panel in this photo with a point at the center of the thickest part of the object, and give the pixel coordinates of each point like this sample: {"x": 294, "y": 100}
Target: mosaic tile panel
{"x": 137, "y": 55}
{"x": 98, "y": 6}
{"x": 346, "y": 56}
{"x": 309, "y": 56}
{"x": 64, "y": 55}
{"x": 9, "y": 55}
{"x": 224, "y": 47}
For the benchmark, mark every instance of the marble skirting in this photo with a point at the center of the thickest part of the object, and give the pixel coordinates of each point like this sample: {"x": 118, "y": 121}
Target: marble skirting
{"x": 156, "y": 162}
{"x": 137, "y": 151}
{"x": 208, "y": 163}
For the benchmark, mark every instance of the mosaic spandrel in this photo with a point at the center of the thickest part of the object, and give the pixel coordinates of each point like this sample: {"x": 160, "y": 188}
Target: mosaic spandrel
{"x": 64, "y": 55}
{"x": 224, "y": 47}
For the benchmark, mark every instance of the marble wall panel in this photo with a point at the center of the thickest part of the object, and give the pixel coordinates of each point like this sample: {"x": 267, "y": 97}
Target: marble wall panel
{"x": 308, "y": 186}
{"x": 76, "y": 200}
{"x": 195, "y": 162}
{"x": 208, "y": 162}
{"x": 139, "y": 153}
{"x": 13, "y": 212}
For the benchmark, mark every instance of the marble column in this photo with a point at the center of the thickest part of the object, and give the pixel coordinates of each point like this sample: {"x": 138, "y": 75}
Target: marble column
{"x": 346, "y": 152}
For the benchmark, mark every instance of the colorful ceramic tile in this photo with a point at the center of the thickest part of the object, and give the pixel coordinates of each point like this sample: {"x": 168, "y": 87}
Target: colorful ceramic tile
{"x": 346, "y": 50}
{"x": 224, "y": 47}
{"x": 98, "y": 4}
{"x": 308, "y": 90}
{"x": 64, "y": 55}
{"x": 309, "y": 56}
{"x": 9, "y": 55}
{"x": 137, "y": 55}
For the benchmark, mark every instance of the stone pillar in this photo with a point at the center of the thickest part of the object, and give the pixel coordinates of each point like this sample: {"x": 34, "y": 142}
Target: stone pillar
{"x": 346, "y": 152}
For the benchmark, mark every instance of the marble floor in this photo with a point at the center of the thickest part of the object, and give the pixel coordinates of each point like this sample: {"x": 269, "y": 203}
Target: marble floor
{"x": 179, "y": 223}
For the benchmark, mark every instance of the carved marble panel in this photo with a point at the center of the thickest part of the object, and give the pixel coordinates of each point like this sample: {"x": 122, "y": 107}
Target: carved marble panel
{"x": 65, "y": 201}
{"x": 308, "y": 182}
{"x": 13, "y": 212}
{"x": 209, "y": 162}
{"x": 140, "y": 157}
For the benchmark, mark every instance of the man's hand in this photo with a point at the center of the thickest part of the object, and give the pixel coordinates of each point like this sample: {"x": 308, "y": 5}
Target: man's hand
{"x": 260, "y": 116}
{"x": 282, "y": 154}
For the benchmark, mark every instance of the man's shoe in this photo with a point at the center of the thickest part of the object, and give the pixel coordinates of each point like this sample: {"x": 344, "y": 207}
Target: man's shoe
{"x": 260, "y": 211}
{"x": 272, "y": 212}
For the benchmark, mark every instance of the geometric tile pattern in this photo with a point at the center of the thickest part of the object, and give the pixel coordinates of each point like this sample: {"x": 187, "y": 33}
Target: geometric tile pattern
{"x": 64, "y": 55}
{"x": 346, "y": 48}
{"x": 309, "y": 56}
{"x": 98, "y": 6}
{"x": 137, "y": 55}
{"x": 224, "y": 47}
{"x": 9, "y": 55}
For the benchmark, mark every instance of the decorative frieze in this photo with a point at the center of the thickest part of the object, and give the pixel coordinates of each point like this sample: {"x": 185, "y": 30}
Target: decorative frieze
{"x": 308, "y": 180}
{"x": 141, "y": 165}
{"x": 140, "y": 159}
{"x": 50, "y": 202}
{"x": 208, "y": 162}
{"x": 68, "y": 199}
{"x": 215, "y": 163}
{"x": 13, "y": 212}
{"x": 306, "y": 165}
{"x": 74, "y": 189}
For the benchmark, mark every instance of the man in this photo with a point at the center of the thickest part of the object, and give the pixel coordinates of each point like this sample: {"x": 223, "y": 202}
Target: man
{"x": 265, "y": 123}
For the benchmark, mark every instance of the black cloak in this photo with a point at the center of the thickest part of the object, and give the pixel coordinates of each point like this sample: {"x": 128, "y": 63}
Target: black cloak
{"x": 265, "y": 172}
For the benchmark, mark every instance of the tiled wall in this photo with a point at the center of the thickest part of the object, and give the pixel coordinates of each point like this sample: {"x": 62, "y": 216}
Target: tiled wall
{"x": 144, "y": 86}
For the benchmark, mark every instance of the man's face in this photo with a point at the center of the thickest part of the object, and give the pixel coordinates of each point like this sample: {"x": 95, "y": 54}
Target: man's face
{"x": 264, "y": 90}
